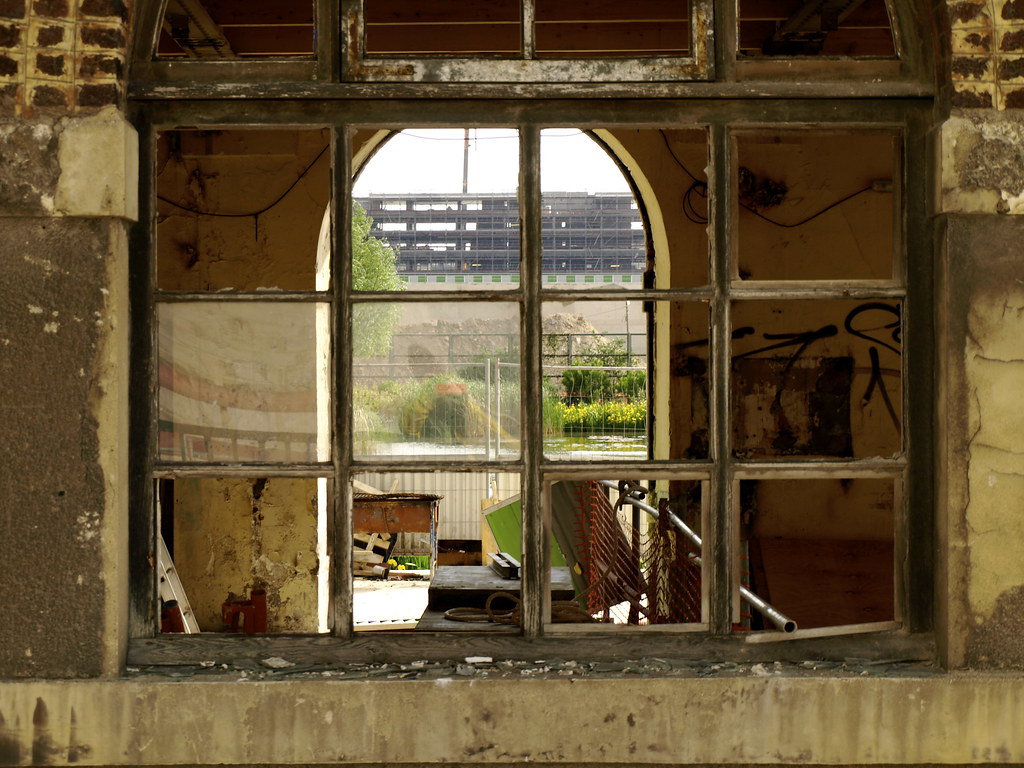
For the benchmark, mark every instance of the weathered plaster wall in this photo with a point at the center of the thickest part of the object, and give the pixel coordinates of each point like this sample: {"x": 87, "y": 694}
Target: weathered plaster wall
{"x": 984, "y": 460}
{"x": 773, "y": 719}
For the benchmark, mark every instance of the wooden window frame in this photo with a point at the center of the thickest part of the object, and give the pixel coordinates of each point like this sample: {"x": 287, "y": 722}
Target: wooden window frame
{"x": 717, "y": 94}
{"x": 911, "y": 284}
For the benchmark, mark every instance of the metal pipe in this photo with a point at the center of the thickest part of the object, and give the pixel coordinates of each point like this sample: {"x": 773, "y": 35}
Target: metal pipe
{"x": 777, "y": 618}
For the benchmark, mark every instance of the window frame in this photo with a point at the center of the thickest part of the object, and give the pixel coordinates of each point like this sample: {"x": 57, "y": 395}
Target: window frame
{"x": 914, "y": 584}
{"x": 321, "y": 91}
{"x": 713, "y": 64}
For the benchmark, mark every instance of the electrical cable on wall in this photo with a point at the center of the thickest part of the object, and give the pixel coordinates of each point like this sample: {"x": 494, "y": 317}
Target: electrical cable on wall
{"x": 700, "y": 189}
{"x": 257, "y": 213}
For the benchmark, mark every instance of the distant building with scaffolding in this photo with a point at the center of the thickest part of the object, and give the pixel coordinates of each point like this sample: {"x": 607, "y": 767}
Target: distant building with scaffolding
{"x": 473, "y": 237}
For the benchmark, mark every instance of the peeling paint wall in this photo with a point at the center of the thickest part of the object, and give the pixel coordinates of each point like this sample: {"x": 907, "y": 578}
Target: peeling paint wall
{"x": 984, "y": 302}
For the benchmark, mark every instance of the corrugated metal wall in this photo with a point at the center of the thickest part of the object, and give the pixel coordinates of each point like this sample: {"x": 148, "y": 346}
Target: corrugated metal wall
{"x": 460, "y": 515}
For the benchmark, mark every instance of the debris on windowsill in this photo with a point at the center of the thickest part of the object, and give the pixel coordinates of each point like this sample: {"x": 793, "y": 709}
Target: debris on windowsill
{"x": 276, "y": 662}
{"x": 484, "y": 667}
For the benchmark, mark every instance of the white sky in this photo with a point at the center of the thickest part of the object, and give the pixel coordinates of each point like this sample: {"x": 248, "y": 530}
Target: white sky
{"x": 430, "y": 160}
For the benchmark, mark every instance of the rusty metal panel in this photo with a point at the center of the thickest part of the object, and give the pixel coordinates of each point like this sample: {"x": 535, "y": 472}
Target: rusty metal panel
{"x": 394, "y": 512}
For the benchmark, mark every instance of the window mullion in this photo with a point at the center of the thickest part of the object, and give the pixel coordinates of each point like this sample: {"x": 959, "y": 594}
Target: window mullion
{"x": 528, "y": 14}
{"x": 718, "y": 543}
{"x": 535, "y": 563}
{"x": 350, "y": 50}
{"x": 341, "y": 392}
{"x": 328, "y": 41}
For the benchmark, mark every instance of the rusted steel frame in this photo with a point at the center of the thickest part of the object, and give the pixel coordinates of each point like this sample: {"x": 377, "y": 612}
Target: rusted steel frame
{"x": 761, "y": 605}
{"x": 174, "y": 297}
{"x": 921, "y": 400}
{"x": 722, "y": 578}
{"x": 528, "y": 40}
{"x": 143, "y": 394}
{"x": 235, "y": 469}
{"x": 352, "y": 40}
{"x": 441, "y": 70}
{"x": 288, "y": 80}
{"x": 161, "y": 74}
{"x": 327, "y": 29}
{"x": 542, "y": 113}
{"x": 536, "y": 575}
{"x": 795, "y": 469}
{"x": 553, "y": 471}
{"x": 148, "y": 18}
{"x": 835, "y": 289}
{"x": 428, "y": 296}
{"x": 449, "y": 464}
{"x": 340, "y": 522}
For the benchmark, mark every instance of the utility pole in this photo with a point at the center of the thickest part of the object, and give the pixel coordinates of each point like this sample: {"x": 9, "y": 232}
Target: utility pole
{"x": 465, "y": 163}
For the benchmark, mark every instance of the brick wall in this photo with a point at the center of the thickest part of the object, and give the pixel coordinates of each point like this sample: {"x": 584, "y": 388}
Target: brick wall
{"x": 62, "y": 56}
{"x": 987, "y": 53}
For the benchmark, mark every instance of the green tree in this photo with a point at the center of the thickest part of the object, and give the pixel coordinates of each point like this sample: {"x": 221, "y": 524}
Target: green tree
{"x": 373, "y": 269}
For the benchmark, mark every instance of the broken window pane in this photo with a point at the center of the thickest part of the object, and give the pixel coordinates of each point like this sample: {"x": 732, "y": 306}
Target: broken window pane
{"x": 244, "y": 555}
{"x": 631, "y": 550}
{"x": 860, "y": 29}
{"x": 243, "y": 382}
{"x": 819, "y": 551}
{"x": 600, "y": 28}
{"x": 434, "y": 380}
{"x": 817, "y": 206}
{"x": 819, "y": 379}
{"x": 591, "y": 227}
{"x": 442, "y": 28}
{"x": 444, "y": 201}
{"x": 243, "y": 210}
{"x": 689, "y": 378}
{"x": 423, "y": 545}
{"x": 595, "y": 380}
{"x": 234, "y": 29}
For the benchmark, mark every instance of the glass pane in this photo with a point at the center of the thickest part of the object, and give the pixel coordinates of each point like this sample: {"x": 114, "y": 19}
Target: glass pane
{"x": 232, "y": 29}
{"x": 593, "y": 235}
{"x": 422, "y": 548}
{"x": 816, "y": 379}
{"x": 819, "y": 551}
{"x": 243, "y": 210}
{"x": 434, "y": 380}
{"x": 817, "y": 206}
{"x": 244, "y": 382}
{"x": 442, "y": 28}
{"x": 445, "y": 202}
{"x": 799, "y": 28}
{"x": 632, "y": 551}
{"x": 250, "y": 554}
{"x": 595, "y": 380}
{"x": 601, "y": 28}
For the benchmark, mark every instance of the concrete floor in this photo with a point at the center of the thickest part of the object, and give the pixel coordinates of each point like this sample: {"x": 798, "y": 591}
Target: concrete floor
{"x": 388, "y": 604}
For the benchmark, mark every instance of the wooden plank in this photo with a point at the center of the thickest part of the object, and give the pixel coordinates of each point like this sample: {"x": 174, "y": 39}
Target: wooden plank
{"x": 183, "y": 653}
{"x": 639, "y": 37}
{"x": 469, "y": 586}
{"x": 872, "y": 12}
{"x": 611, "y": 10}
{"x": 440, "y": 39}
{"x": 441, "y": 11}
{"x": 271, "y": 41}
{"x": 842, "y": 42}
{"x": 269, "y": 12}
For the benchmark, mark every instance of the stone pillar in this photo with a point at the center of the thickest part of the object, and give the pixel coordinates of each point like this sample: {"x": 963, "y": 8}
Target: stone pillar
{"x": 68, "y": 182}
{"x": 980, "y": 306}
